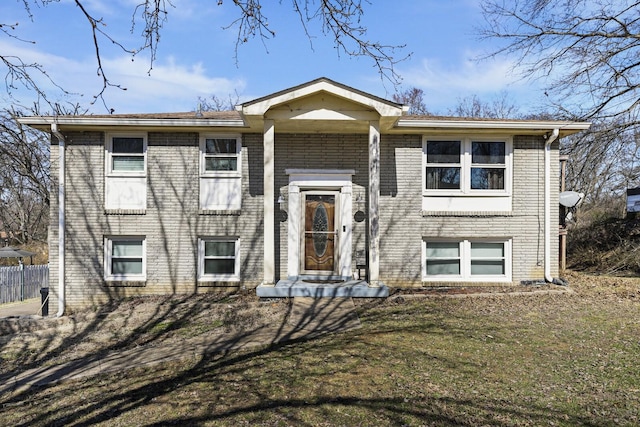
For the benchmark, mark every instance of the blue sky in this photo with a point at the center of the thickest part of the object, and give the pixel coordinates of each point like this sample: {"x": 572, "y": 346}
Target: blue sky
{"x": 196, "y": 55}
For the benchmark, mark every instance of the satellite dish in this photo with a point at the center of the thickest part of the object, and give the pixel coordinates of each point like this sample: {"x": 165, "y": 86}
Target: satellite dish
{"x": 570, "y": 199}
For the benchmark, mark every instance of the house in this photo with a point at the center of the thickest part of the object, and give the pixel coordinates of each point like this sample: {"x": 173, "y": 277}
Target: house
{"x": 320, "y": 189}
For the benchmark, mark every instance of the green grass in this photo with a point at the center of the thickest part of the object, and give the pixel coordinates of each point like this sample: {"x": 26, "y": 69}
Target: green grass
{"x": 564, "y": 360}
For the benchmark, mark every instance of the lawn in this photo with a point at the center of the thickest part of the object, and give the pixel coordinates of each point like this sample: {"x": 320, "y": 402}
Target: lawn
{"x": 536, "y": 359}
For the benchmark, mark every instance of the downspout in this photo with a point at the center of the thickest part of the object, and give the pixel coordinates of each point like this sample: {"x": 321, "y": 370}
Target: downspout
{"x": 61, "y": 217}
{"x": 547, "y": 209}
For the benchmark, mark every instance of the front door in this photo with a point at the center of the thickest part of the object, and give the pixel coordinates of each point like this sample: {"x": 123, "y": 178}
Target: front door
{"x": 319, "y": 241}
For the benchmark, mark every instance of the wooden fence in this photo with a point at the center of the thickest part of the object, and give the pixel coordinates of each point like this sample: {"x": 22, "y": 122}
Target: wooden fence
{"x": 35, "y": 278}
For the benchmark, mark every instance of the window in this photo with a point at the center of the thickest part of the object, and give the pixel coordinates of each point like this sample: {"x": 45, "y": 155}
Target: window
{"x": 125, "y": 258}
{"x": 219, "y": 259}
{"x": 126, "y": 154}
{"x": 443, "y": 258}
{"x": 220, "y": 172}
{"x": 126, "y": 172}
{"x": 220, "y": 155}
{"x": 487, "y": 165}
{"x": 466, "y": 166}
{"x": 443, "y": 165}
{"x": 467, "y": 260}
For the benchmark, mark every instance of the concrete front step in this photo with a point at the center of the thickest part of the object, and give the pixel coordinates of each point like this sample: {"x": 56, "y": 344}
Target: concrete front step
{"x": 316, "y": 289}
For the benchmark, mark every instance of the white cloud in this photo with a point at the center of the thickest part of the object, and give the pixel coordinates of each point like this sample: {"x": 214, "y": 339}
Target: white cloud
{"x": 466, "y": 75}
{"x": 169, "y": 87}
{"x": 444, "y": 84}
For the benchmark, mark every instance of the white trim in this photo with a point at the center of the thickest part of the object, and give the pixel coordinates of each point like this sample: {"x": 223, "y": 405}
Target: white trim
{"x": 202, "y": 277}
{"x": 109, "y": 155}
{"x": 337, "y": 220}
{"x": 123, "y": 121}
{"x": 533, "y": 125}
{"x": 203, "y": 155}
{"x": 108, "y": 256}
{"x": 466, "y": 166}
{"x": 465, "y": 261}
{"x": 317, "y": 179}
{"x": 261, "y": 106}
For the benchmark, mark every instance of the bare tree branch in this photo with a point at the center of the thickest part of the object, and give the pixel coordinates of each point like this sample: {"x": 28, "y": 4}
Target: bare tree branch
{"x": 588, "y": 54}
{"x": 339, "y": 19}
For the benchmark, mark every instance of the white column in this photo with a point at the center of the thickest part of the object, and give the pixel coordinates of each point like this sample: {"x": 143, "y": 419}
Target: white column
{"x": 269, "y": 205}
{"x": 374, "y": 202}
{"x": 293, "y": 231}
{"x": 344, "y": 231}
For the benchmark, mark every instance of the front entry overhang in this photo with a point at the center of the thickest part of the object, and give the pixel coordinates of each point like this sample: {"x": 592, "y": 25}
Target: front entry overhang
{"x": 321, "y": 106}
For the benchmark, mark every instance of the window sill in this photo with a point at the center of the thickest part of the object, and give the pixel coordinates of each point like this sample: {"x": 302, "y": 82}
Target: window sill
{"x": 474, "y": 214}
{"x": 220, "y": 212}
{"x": 476, "y": 193}
{"x": 126, "y": 174}
{"x": 126, "y": 283}
{"x": 218, "y": 283}
{"x": 465, "y": 281}
{"x": 125, "y": 211}
{"x": 465, "y": 205}
{"x": 234, "y": 174}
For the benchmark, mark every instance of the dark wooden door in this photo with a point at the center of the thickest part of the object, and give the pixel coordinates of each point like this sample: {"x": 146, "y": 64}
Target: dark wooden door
{"x": 319, "y": 232}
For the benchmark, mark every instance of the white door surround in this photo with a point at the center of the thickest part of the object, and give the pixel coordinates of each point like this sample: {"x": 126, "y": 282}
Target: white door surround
{"x": 320, "y": 179}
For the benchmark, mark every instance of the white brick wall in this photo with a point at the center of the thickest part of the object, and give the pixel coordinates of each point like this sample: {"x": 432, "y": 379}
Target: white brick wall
{"x": 172, "y": 222}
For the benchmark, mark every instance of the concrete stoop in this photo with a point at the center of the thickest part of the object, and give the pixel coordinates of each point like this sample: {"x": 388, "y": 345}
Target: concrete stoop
{"x": 288, "y": 288}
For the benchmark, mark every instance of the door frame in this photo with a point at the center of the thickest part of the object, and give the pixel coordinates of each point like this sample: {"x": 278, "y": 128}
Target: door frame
{"x": 337, "y": 225}
{"x": 321, "y": 180}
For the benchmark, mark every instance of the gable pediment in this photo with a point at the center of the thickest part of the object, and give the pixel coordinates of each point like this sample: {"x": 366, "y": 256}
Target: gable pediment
{"x": 321, "y": 106}
{"x": 321, "y": 101}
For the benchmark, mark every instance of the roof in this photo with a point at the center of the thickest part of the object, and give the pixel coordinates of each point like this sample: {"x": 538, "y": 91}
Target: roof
{"x": 321, "y": 105}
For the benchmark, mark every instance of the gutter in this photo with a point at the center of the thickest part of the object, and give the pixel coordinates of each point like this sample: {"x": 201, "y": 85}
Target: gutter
{"x": 547, "y": 209}
{"x": 61, "y": 218}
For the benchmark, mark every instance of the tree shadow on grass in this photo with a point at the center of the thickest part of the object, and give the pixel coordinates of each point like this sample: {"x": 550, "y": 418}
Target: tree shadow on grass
{"x": 286, "y": 379}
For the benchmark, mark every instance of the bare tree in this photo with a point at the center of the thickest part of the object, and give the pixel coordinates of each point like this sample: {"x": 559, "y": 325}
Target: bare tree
{"x": 24, "y": 180}
{"x": 24, "y": 175}
{"x": 215, "y": 103}
{"x": 587, "y": 50}
{"x": 414, "y": 98}
{"x": 498, "y": 108}
{"x": 340, "y": 20}
{"x": 588, "y": 54}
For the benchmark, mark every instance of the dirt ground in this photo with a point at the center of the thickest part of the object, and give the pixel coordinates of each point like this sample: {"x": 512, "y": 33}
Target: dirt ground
{"x": 144, "y": 321}
{"x": 152, "y": 321}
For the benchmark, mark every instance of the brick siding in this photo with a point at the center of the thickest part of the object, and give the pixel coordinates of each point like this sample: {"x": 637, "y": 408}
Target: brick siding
{"x": 172, "y": 222}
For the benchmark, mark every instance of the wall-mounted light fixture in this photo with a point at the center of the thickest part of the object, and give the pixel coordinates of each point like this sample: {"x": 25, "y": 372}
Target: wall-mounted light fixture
{"x": 282, "y": 203}
{"x": 359, "y": 215}
{"x": 359, "y": 201}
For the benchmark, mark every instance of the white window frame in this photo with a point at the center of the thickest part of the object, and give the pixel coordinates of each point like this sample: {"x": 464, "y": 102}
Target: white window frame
{"x": 465, "y": 261}
{"x": 202, "y": 277}
{"x": 108, "y": 257}
{"x": 203, "y": 155}
{"x": 109, "y": 154}
{"x": 466, "y": 165}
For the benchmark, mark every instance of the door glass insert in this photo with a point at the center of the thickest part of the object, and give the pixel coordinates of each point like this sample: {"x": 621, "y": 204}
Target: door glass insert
{"x": 319, "y": 232}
